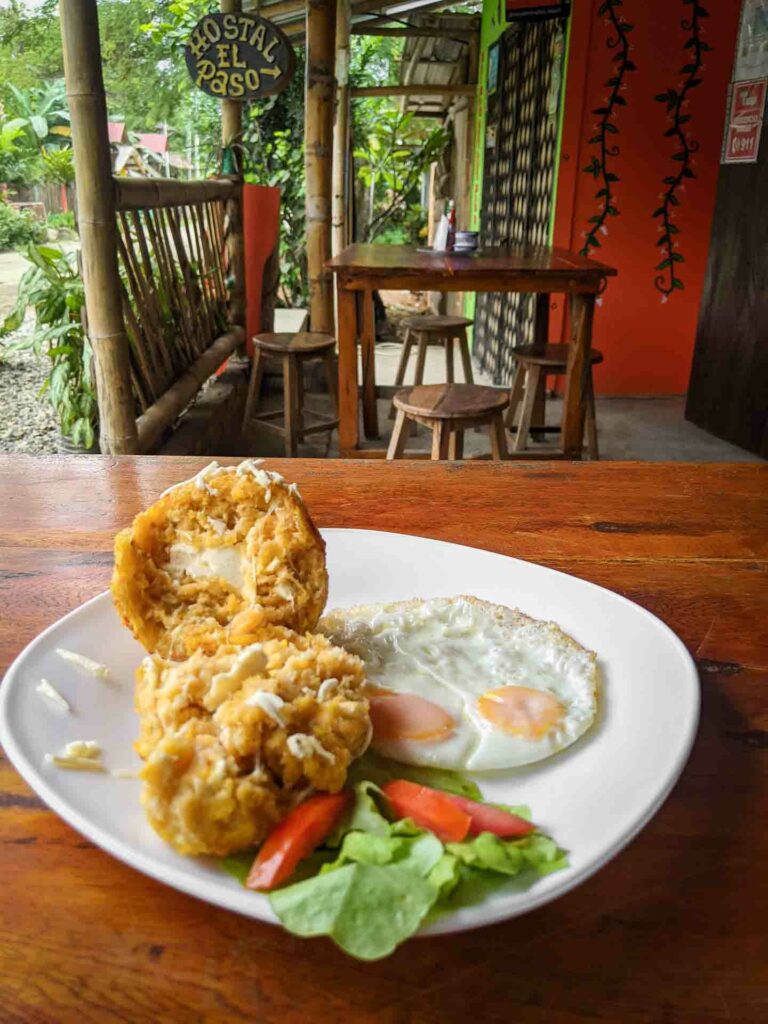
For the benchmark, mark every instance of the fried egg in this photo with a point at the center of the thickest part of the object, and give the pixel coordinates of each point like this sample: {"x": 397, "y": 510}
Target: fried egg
{"x": 463, "y": 684}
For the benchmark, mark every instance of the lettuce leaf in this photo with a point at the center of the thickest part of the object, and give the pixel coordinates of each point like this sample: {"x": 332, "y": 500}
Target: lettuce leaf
{"x": 363, "y": 816}
{"x": 367, "y": 909}
{"x": 238, "y": 864}
{"x": 376, "y": 768}
{"x": 509, "y": 857}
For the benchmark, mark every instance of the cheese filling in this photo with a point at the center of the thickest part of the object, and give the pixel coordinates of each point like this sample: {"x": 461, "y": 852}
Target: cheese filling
{"x": 205, "y": 563}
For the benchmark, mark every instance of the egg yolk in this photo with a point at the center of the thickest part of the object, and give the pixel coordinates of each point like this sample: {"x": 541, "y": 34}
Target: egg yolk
{"x": 406, "y": 716}
{"x": 521, "y": 711}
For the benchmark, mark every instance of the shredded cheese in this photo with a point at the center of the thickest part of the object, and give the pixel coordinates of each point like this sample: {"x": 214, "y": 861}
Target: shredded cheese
{"x": 52, "y": 695}
{"x": 79, "y": 755}
{"x": 94, "y": 668}
{"x": 270, "y": 704}
{"x": 302, "y": 745}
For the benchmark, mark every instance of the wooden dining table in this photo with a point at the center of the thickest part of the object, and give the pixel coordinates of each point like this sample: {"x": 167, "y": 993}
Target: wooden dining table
{"x": 362, "y": 269}
{"x": 672, "y": 931}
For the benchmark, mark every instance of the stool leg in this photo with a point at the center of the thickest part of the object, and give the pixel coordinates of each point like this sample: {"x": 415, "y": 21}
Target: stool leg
{"x": 591, "y": 424}
{"x": 421, "y": 358}
{"x": 441, "y": 433}
{"x": 299, "y": 398}
{"x": 402, "y": 366}
{"x": 448, "y": 342}
{"x": 290, "y": 404}
{"x": 498, "y": 438}
{"x": 466, "y": 359}
{"x": 539, "y": 409}
{"x": 333, "y": 387}
{"x": 529, "y": 401}
{"x": 515, "y": 395}
{"x": 456, "y": 445}
{"x": 254, "y": 387}
{"x": 399, "y": 437}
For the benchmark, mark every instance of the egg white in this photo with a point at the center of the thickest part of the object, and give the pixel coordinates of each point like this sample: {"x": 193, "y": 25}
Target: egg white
{"x": 451, "y": 651}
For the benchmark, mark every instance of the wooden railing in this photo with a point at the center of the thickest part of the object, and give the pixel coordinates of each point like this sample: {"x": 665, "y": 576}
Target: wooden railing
{"x": 173, "y": 254}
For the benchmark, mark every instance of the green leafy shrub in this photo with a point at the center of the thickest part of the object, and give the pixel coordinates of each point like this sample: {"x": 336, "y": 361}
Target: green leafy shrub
{"x": 53, "y": 287}
{"x": 17, "y": 228}
{"x": 58, "y": 167}
{"x": 63, "y": 221}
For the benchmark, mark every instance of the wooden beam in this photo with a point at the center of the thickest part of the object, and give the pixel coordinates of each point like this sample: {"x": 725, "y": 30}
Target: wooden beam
{"x": 98, "y": 225}
{"x": 414, "y": 90}
{"x": 437, "y": 32}
{"x": 318, "y": 143}
{"x": 296, "y": 26}
{"x": 340, "y": 232}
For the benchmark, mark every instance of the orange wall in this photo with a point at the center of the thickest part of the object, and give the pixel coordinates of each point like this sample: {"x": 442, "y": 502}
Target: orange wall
{"x": 648, "y": 343}
{"x": 261, "y": 228}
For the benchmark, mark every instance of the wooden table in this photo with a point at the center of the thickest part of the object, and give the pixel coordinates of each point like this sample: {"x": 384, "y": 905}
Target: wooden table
{"x": 673, "y": 931}
{"x": 363, "y": 269}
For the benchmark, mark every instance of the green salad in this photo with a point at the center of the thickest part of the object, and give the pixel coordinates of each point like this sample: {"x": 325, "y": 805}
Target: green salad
{"x": 370, "y": 866}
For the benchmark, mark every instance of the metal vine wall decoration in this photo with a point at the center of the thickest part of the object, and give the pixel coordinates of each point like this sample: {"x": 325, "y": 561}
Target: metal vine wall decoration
{"x": 599, "y": 167}
{"x": 676, "y": 100}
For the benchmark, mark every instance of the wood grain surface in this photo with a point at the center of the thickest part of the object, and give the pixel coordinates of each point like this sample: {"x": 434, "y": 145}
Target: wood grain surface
{"x": 371, "y": 259}
{"x": 673, "y": 931}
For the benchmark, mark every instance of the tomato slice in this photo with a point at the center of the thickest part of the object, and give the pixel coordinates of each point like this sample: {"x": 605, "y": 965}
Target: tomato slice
{"x": 429, "y": 808}
{"x": 295, "y": 838}
{"x": 485, "y": 818}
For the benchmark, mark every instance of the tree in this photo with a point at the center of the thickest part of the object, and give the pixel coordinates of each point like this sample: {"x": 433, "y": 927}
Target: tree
{"x": 39, "y": 111}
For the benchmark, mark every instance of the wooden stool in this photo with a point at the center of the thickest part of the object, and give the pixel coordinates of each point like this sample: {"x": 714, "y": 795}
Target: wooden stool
{"x": 293, "y": 350}
{"x": 448, "y": 410}
{"x": 533, "y": 361}
{"x": 434, "y": 330}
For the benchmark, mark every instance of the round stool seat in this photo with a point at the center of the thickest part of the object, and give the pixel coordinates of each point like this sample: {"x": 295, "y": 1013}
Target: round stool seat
{"x": 302, "y": 344}
{"x": 550, "y": 355}
{"x": 451, "y": 401}
{"x": 434, "y": 324}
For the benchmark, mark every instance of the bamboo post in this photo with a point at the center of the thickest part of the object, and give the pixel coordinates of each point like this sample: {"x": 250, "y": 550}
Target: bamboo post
{"x": 231, "y": 136}
{"x": 98, "y": 226}
{"x": 340, "y": 229}
{"x": 318, "y": 138}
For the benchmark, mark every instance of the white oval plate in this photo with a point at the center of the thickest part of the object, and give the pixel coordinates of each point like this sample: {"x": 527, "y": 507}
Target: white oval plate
{"x": 593, "y": 798}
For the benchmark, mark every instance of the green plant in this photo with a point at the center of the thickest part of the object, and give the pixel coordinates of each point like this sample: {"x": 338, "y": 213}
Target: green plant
{"x": 17, "y": 228}
{"x": 272, "y": 147}
{"x": 58, "y": 168}
{"x": 12, "y": 160}
{"x": 63, "y": 221}
{"x": 40, "y": 110}
{"x": 53, "y": 287}
{"x": 391, "y": 167}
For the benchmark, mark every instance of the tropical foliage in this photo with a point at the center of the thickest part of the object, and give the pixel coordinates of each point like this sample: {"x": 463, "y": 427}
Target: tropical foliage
{"x": 53, "y": 287}
{"x": 17, "y": 228}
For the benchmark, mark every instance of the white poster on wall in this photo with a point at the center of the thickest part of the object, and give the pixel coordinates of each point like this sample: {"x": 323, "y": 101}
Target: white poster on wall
{"x": 752, "y": 43}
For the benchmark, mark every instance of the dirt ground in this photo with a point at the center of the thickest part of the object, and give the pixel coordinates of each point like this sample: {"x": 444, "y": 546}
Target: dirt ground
{"x": 12, "y": 266}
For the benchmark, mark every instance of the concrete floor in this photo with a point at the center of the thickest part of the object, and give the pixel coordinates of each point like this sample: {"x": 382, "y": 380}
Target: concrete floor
{"x": 653, "y": 429}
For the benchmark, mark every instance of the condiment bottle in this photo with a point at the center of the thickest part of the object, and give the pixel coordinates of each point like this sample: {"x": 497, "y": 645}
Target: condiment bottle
{"x": 451, "y": 225}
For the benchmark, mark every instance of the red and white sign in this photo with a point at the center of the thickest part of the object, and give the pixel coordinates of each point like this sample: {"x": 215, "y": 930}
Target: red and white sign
{"x": 745, "y": 121}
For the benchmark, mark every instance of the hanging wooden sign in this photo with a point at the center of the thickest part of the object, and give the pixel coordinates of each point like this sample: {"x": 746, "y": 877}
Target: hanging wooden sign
{"x": 239, "y": 56}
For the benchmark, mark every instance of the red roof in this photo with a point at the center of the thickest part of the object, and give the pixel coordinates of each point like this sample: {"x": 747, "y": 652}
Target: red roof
{"x": 116, "y": 131}
{"x": 153, "y": 141}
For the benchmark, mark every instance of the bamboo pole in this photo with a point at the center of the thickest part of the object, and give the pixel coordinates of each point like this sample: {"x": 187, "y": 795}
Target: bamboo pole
{"x": 98, "y": 227}
{"x": 163, "y": 412}
{"x": 318, "y": 139}
{"x": 231, "y": 136}
{"x": 151, "y": 193}
{"x": 340, "y": 231}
